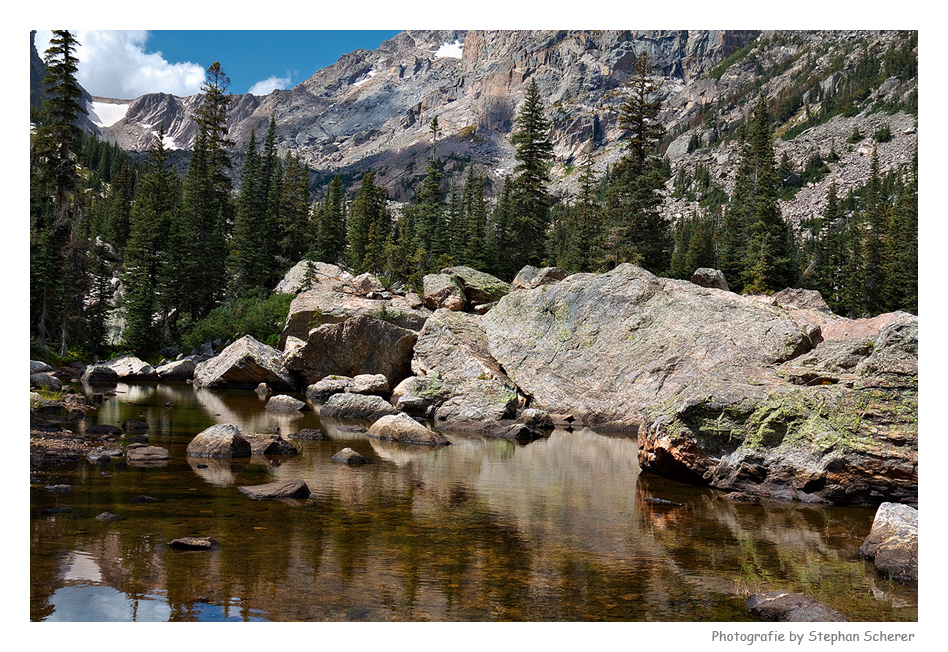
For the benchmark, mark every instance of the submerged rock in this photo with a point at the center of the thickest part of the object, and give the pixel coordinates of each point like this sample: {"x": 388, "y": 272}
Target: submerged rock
{"x": 348, "y": 456}
{"x": 276, "y": 490}
{"x": 308, "y": 433}
{"x": 780, "y": 606}
{"x": 192, "y": 543}
{"x": 893, "y": 542}
{"x": 137, "y": 455}
{"x": 269, "y": 444}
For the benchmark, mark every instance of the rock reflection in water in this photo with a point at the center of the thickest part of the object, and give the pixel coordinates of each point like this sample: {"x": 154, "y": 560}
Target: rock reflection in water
{"x": 484, "y": 529}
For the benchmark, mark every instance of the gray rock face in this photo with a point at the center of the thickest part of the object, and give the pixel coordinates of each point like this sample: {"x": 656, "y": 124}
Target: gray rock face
{"x": 356, "y": 406}
{"x": 38, "y": 367}
{"x": 276, "y": 490}
{"x": 131, "y": 368}
{"x": 360, "y": 345}
{"x": 454, "y": 347}
{"x": 893, "y": 542}
{"x": 403, "y": 429}
{"x": 443, "y": 291}
{"x": 219, "y": 441}
{"x": 603, "y": 346}
{"x": 327, "y": 303}
{"x": 285, "y": 403}
{"x": 710, "y": 278}
{"x": 244, "y": 364}
{"x": 779, "y": 606}
{"x": 178, "y": 370}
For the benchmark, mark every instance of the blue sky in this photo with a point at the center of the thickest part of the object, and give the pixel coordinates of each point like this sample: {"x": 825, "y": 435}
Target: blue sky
{"x": 125, "y": 64}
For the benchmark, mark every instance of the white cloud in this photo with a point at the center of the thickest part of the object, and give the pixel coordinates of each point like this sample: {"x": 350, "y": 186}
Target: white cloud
{"x": 270, "y": 84}
{"x": 116, "y": 64}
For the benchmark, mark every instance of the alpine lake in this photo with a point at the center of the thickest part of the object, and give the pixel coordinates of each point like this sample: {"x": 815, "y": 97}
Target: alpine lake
{"x": 564, "y": 528}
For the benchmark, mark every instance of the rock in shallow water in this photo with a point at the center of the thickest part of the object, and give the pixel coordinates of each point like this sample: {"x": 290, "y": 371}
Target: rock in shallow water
{"x": 220, "y": 441}
{"x": 348, "y": 456}
{"x": 403, "y": 429}
{"x": 893, "y": 542}
{"x": 276, "y": 490}
{"x": 780, "y": 606}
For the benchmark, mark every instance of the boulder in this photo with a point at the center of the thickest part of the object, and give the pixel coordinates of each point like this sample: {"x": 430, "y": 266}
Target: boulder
{"x": 326, "y": 304}
{"x": 107, "y": 517}
{"x": 39, "y": 367}
{"x": 403, "y": 429}
{"x": 359, "y": 345}
{"x": 146, "y": 454}
{"x": 269, "y": 444}
{"x": 443, "y": 291}
{"x": 356, "y": 406}
{"x": 530, "y": 277}
{"x": 104, "y": 429}
{"x": 326, "y": 387}
{"x": 365, "y": 284}
{"x": 178, "y": 370}
{"x": 518, "y": 432}
{"x": 286, "y": 403}
{"x": 311, "y": 273}
{"x": 220, "y": 441}
{"x": 477, "y": 287}
{"x": 454, "y": 347}
{"x": 893, "y": 542}
{"x": 45, "y": 380}
{"x": 129, "y": 367}
{"x": 243, "y": 365}
{"x": 99, "y": 374}
{"x": 276, "y": 490}
{"x": 781, "y": 606}
{"x": 348, "y": 456}
{"x": 539, "y": 419}
{"x": 420, "y": 396}
{"x": 369, "y": 384}
{"x": 710, "y": 278}
{"x": 134, "y": 425}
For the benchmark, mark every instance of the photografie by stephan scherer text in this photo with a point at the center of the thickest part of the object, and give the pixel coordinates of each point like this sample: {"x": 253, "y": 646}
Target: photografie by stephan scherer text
{"x": 869, "y": 636}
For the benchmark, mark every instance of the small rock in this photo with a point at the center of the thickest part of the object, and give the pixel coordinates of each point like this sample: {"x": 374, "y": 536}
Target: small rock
{"x": 104, "y": 429}
{"x": 369, "y": 384}
{"x": 308, "y": 433}
{"x": 348, "y": 456}
{"x": 286, "y": 403}
{"x": 134, "y": 425}
{"x": 139, "y": 454}
{"x": 536, "y": 418}
{"x": 326, "y": 387}
{"x": 405, "y": 430}
{"x": 517, "y": 432}
{"x": 108, "y": 516}
{"x": 220, "y": 441}
{"x": 710, "y": 278}
{"x": 142, "y": 498}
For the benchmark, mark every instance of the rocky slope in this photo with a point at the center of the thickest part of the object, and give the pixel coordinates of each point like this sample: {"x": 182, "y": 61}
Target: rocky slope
{"x": 372, "y": 109}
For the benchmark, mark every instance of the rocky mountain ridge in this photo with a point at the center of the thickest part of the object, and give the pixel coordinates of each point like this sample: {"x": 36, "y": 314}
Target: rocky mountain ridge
{"x": 371, "y": 110}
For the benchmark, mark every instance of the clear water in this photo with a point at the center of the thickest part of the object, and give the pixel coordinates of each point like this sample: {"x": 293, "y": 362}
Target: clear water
{"x": 482, "y": 530}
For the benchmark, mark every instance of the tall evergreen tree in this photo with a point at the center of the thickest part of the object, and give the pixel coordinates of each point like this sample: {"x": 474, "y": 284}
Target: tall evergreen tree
{"x": 638, "y": 232}
{"x": 329, "y": 220}
{"x": 246, "y": 260}
{"x": 293, "y": 224}
{"x": 368, "y": 227}
{"x": 534, "y": 151}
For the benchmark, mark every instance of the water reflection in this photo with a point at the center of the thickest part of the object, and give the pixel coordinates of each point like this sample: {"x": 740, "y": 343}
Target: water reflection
{"x": 485, "y": 529}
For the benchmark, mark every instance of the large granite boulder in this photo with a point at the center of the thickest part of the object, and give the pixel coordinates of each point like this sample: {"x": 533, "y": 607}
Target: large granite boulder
{"x": 710, "y": 278}
{"x": 443, "y": 291}
{"x": 307, "y": 274}
{"x": 131, "y": 368}
{"x": 420, "y": 396}
{"x": 243, "y": 365}
{"x": 453, "y": 347}
{"x": 719, "y": 385}
{"x": 219, "y": 441}
{"x": 478, "y": 287}
{"x": 356, "y": 406}
{"x": 99, "y": 374}
{"x": 328, "y": 303}
{"x": 359, "y": 345}
{"x": 403, "y": 429}
{"x": 893, "y": 542}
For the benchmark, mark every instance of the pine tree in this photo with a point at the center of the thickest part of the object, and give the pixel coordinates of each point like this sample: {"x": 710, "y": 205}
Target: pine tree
{"x": 293, "y": 225}
{"x": 431, "y": 232}
{"x": 147, "y": 253}
{"x": 58, "y": 278}
{"x": 367, "y": 227}
{"x": 534, "y": 151}
{"x": 330, "y": 223}
{"x": 246, "y": 261}
{"x": 638, "y": 232}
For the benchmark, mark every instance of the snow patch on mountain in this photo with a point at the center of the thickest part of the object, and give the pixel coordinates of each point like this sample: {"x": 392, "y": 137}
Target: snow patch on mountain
{"x": 106, "y": 114}
{"x": 369, "y": 75}
{"x": 450, "y": 51}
